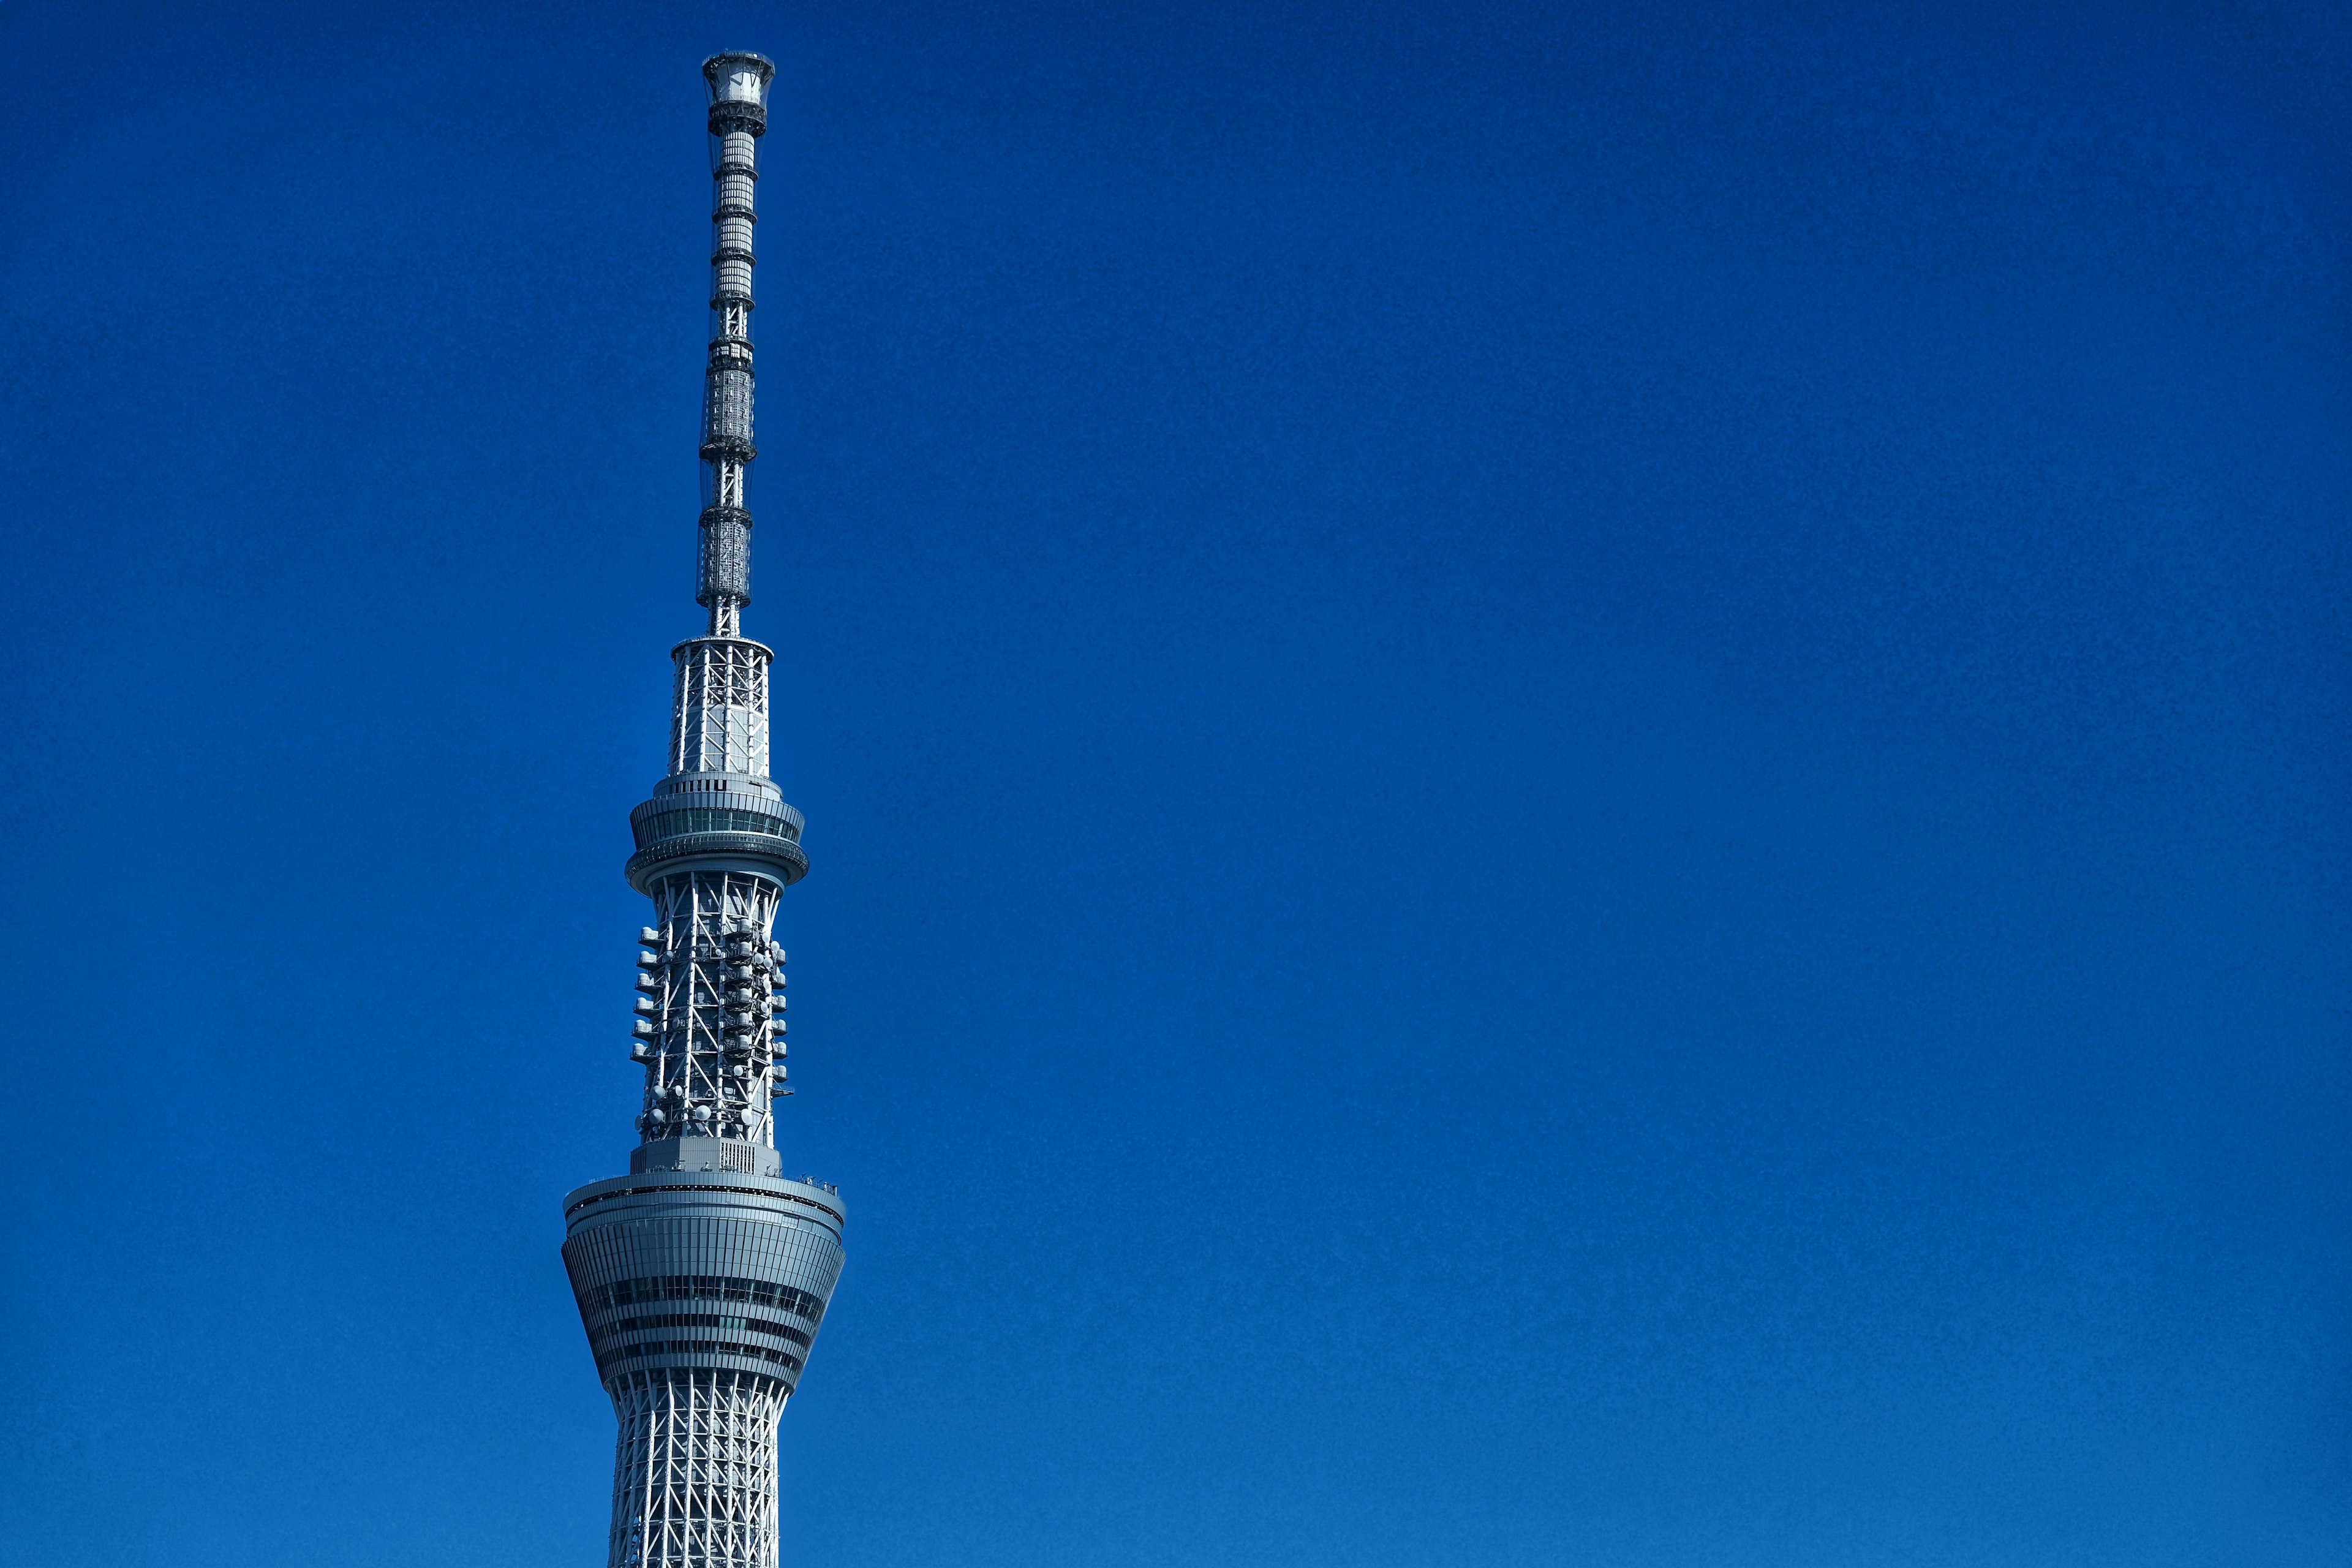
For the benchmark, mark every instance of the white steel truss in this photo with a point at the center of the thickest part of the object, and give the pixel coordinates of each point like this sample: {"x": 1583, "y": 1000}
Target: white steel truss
{"x": 694, "y": 1477}
{"x": 718, "y": 712}
{"x": 715, "y": 1062}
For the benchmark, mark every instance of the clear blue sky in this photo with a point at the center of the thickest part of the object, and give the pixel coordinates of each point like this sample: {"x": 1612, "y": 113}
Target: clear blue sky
{"x": 1578, "y": 778}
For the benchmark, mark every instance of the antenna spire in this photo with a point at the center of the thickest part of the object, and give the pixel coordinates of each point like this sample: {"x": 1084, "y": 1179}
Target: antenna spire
{"x": 737, "y": 86}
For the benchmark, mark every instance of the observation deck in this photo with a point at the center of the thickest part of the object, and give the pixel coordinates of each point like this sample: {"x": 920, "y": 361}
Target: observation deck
{"x": 703, "y": 1270}
{"x": 716, "y": 821}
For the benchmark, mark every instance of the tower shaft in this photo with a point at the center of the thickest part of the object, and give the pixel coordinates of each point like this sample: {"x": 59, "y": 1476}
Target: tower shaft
{"x": 694, "y": 1480}
{"x": 702, "y": 1276}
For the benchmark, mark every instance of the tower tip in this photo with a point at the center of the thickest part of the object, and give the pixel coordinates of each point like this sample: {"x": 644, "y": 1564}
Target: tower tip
{"x": 738, "y": 77}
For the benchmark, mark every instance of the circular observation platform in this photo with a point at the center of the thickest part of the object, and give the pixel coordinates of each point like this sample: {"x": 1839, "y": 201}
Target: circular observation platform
{"x": 730, "y": 822}
{"x": 714, "y": 1271}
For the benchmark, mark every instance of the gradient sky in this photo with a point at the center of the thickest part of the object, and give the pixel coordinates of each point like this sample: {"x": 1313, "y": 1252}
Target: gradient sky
{"x": 1578, "y": 779}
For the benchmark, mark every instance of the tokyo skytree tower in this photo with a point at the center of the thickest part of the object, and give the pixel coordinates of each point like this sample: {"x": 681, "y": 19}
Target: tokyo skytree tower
{"x": 702, "y": 1274}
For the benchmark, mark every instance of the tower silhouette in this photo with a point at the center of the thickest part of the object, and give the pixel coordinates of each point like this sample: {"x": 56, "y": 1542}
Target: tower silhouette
{"x": 703, "y": 1274}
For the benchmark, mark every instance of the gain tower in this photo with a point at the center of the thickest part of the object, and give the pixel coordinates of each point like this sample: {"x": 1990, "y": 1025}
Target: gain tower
{"x": 702, "y": 1274}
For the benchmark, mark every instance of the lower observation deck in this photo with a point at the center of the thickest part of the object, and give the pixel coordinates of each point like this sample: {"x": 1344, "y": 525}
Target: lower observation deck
{"x": 703, "y": 1272}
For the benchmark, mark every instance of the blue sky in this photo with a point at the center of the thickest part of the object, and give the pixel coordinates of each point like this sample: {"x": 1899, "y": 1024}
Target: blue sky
{"x": 1577, "y": 777}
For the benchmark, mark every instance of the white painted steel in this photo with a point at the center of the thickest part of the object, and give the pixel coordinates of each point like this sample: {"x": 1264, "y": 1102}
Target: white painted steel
{"x": 694, "y": 1472}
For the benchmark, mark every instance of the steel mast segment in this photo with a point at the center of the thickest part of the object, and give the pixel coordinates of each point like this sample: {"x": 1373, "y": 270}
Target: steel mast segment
{"x": 739, "y": 118}
{"x": 702, "y": 1276}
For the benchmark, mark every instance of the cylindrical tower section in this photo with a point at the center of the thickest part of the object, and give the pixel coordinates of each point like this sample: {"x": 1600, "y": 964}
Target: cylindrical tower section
{"x": 718, "y": 720}
{"x": 712, "y": 1028}
{"x": 702, "y": 1295}
{"x": 738, "y": 88}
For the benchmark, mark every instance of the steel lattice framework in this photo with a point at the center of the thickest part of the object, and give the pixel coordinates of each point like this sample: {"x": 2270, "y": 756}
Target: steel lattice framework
{"x": 703, "y": 1275}
{"x": 695, "y": 1479}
